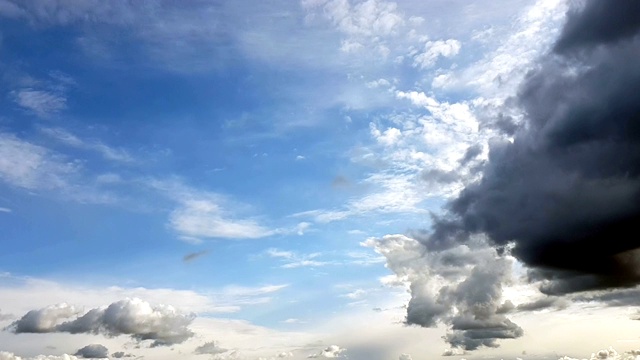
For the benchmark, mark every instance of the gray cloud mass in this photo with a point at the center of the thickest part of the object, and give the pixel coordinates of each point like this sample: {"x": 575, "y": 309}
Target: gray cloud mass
{"x": 162, "y": 323}
{"x": 93, "y": 351}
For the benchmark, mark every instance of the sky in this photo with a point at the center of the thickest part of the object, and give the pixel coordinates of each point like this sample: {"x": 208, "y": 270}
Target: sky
{"x": 348, "y": 179}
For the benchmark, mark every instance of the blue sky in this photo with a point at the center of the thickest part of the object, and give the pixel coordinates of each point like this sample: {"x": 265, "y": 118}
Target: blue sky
{"x": 264, "y": 165}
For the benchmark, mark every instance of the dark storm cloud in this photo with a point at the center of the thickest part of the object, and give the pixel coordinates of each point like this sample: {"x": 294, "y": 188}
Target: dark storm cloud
{"x": 599, "y": 22}
{"x": 566, "y": 191}
{"x": 472, "y": 152}
{"x": 542, "y": 304}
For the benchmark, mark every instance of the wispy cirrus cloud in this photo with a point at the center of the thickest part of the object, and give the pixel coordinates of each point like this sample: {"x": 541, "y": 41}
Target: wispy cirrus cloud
{"x": 43, "y": 97}
{"x": 30, "y": 166}
{"x": 292, "y": 260}
{"x": 69, "y": 139}
{"x": 206, "y": 215}
{"x": 43, "y": 103}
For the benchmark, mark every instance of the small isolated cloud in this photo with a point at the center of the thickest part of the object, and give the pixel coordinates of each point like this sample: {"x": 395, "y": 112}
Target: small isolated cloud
{"x": 162, "y": 324}
{"x": 210, "y": 348}
{"x": 93, "y": 351}
{"x": 405, "y": 357}
{"x": 355, "y": 294}
{"x": 331, "y": 351}
{"x": 203, "y": 218}
{"x": 300, "y": 157}
{"x": 45, "y": 97}
{"x": 203, "y": 214}
{"x": 5, "y": 210}
{"x": 42, "y": 103}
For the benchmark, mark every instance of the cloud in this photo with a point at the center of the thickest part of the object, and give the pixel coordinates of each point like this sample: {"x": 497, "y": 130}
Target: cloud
{"x": 570, "y": 179}
{"x": 43, "y": 320}
{"x": 93, "y": 351}
{"x": 363, "y": 23}
{"x": 161, "y": 324}
{"x": 598, "y": 22}
{"x": 11, "y": 356}
{"x": 43, "y": 97}
{"x": 69, "y": 139}
{"x": 5, "y": 316}
{"x": 612, "y": 297}
{"x": 203, "y": 218}
{"x": 609, "y": 354}
{"x": 434, "y": 50}
{"x": 121, "y": 354}
{"x": 405, "y": 357}
{"x": 331, "y": 351}
{"x": 460, "y": 287}
{"x": 544, "y": 303}
{"x": 394, "y": 193}
{"x": 203, "y": 214}
{"x": 453, "y": 352}
{"x": 43, "y": 103}
{"x": 31, "y": 166}
{"x": 292, "y": 260}
{"x": 210, "y": 348}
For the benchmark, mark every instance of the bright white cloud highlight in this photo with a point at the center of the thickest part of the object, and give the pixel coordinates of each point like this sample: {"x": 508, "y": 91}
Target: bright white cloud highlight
{"x": 433, "y": 50}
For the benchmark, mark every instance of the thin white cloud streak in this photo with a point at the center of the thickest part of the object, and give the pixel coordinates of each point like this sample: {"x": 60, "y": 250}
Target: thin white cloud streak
{"x": 292, "y": 260}
{"x": 106, "y": 151}
{"x": 202, "y": 214}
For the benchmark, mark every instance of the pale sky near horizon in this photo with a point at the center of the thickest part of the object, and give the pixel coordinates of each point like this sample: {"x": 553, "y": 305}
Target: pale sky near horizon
{"x": 355, "y": 179}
